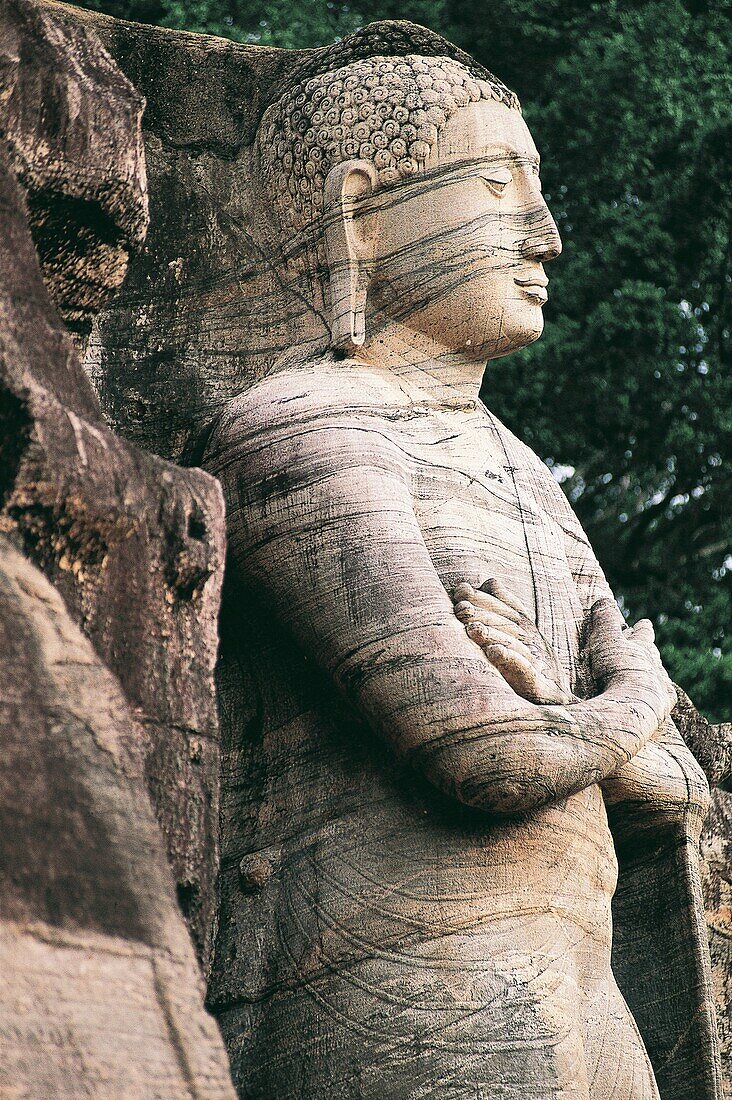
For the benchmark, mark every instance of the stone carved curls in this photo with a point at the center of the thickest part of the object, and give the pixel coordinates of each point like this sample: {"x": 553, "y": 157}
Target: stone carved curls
{"x": 387, "y": 111}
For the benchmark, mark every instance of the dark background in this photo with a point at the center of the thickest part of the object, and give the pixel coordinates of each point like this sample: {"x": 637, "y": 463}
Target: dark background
{"x": 627, "y": 396}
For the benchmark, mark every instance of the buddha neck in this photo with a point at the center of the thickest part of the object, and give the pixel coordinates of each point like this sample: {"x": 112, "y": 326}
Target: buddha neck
{"x": 426, "y": 369}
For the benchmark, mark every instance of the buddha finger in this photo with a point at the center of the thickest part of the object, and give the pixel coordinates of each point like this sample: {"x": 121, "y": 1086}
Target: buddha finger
{"x": 606, "y": 622}
{"x": 522, "y": 677}
{"x": 465, "y": 593}
{"x": 462, "y": 592}
{"x": 485, "y": 635}
{"x": 494, "y": 588}
{"x": 493, "y": 619}
{"x": 486, "y": 602}
{"x": 642, "y": 632}
{"x": 465, "y": 610}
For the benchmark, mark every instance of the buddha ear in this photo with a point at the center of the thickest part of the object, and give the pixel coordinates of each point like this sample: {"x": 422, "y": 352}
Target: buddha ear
{"x": 350, "y": 242}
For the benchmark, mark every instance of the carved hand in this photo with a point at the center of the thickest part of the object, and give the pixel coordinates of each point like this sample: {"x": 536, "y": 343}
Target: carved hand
{"x": 626, "y": 656}
{"x": 499, "y": 623}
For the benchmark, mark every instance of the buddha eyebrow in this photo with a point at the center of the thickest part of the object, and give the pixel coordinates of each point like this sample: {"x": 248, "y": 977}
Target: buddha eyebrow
{"x": 437, "y": 176}
{"x": 467, "y": 167}
{"x": 502, "y": 152}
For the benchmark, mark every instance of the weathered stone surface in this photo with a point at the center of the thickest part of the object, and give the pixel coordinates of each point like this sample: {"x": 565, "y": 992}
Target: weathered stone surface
{"x": 712, "y": 746}
{"x": 83, "y": 167}
{"x": 716, "y": 851}
{"x": 133, "y": 544}
{"x": 197, "y": 319}
{"x": 101, "y": 993}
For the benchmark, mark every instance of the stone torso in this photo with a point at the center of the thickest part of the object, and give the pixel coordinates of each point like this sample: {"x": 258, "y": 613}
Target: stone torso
{"x": 368, "y": 912}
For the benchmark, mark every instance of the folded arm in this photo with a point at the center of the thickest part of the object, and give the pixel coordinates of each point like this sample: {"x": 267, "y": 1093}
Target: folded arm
{"x": 662, "y": 783}
{"x": 711, "y": 745}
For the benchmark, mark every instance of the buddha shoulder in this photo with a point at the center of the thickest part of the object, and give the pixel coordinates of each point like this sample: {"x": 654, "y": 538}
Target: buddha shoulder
{"x": 322, "y": 394}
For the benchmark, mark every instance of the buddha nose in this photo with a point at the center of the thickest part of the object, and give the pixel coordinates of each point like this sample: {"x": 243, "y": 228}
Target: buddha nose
{"x": 543, "y": 242}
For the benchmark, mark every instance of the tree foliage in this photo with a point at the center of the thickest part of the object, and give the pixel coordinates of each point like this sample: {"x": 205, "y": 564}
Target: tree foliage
{"x": 627, "y": 396}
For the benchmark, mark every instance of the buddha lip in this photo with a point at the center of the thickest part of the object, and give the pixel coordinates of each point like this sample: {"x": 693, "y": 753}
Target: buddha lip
{"x": 534, "y": 289}
{"x": 532, "y": 280}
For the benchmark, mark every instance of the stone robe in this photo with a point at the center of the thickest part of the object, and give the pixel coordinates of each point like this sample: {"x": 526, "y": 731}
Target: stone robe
{"x": 380, "y": 937}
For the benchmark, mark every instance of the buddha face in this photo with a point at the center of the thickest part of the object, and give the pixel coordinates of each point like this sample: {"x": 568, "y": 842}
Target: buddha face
{"x": 457, "y": 252}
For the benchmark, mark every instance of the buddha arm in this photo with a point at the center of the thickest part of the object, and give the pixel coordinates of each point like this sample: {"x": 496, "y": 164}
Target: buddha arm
{"x": 322, "y": 523}
{"x": 663, "y": 777}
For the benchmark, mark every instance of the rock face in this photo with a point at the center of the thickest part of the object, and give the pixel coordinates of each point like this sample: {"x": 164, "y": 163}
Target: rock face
{"x": 192, "y": 325}
{"x": 102, "y": 993}
{"x": 716, "y": 850}
{"x": 133, "y": 544}
{"x": 200, "y": 318}
{"x": 82, "y": 166}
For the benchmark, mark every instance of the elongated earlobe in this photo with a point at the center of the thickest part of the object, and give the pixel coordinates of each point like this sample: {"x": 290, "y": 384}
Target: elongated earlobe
{"x": 347, "y": 299}
{"x": 348, "y": 252}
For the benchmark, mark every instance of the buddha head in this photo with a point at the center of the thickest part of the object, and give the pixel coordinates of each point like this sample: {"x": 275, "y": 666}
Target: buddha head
{"x": 404, "y": 188}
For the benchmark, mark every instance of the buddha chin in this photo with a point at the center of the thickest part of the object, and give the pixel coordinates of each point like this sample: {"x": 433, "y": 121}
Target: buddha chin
{"x": 488, "y": 316}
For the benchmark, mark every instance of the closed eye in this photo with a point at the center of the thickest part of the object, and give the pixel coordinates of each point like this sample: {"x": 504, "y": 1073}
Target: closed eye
{"x": 497, "y": 180}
